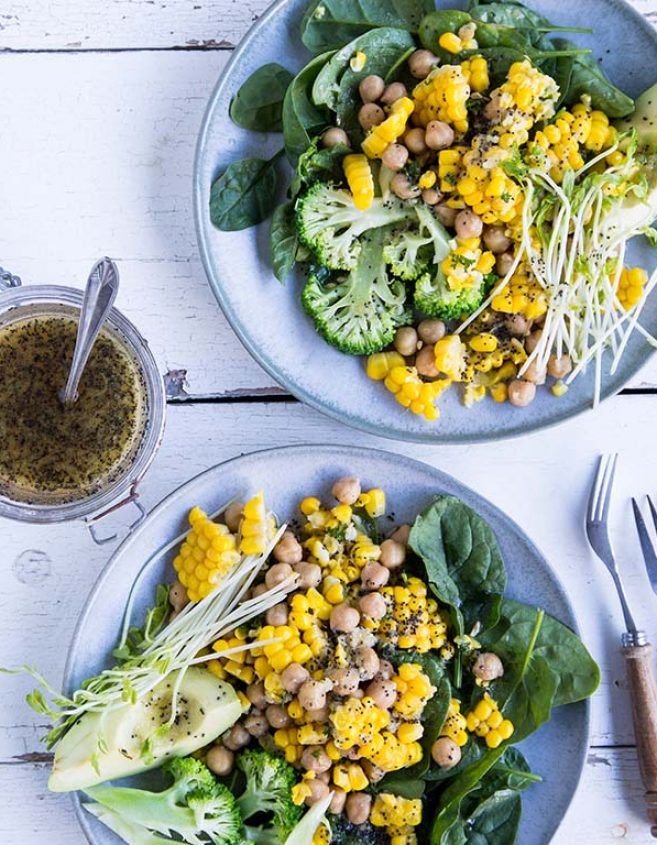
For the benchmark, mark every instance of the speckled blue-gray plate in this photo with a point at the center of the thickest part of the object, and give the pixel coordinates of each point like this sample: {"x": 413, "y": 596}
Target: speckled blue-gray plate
{"x": 268, "y": 317}
{"x": 556, "y": 752}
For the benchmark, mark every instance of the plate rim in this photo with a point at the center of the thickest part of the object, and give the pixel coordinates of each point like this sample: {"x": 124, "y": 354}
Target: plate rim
{"x": 331, "y": 451}
{"x": 434, "y": 435}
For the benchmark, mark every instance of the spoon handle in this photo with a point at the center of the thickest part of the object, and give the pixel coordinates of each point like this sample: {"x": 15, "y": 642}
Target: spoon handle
{"x": 99, "y": 295}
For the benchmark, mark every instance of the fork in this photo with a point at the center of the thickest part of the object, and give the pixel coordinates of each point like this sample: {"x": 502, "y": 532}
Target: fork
{"x": 649, "y": 554}
{"x": 636, "y": 648}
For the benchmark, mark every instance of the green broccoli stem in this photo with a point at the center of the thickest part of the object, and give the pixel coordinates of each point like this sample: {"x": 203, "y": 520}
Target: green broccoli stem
{"x": 154, "y": 810}
{"x": 261, "y": 836}
{"x": 250, "y": 803}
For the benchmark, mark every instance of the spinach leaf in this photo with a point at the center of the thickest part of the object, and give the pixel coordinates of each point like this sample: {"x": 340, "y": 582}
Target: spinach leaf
{"x": 283, "y": 241}
{"x": 301, "y": 117}
{"x": 470, "y": 754}
{"x": 435, "y": 24}
{"x": 244, "y": 194}
{"x": 495, "y": 820}
{"x": 330, "y": 24}
{"x": 318, "y": 163}
{"x": 382, "y": 48}
{"x": 258, "y": 105}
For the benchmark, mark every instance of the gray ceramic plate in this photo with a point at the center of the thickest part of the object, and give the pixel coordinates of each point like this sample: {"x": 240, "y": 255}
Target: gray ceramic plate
{"x": 557, "y": 752}
{"x": 268, "y": 318}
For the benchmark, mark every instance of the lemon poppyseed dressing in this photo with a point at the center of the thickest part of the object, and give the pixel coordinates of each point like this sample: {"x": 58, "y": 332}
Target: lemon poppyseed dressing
{"x": 57, "y": 453}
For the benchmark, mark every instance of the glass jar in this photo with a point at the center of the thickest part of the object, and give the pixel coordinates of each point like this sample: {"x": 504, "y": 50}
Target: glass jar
{"x": 18, "y": 303}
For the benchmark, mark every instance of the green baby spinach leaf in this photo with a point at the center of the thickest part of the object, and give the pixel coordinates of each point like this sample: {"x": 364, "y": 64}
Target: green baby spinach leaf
{"x": 283, "y": 242}
{"x": 244, "y": 194}
{"x": 330, "y": 24}
{"x": 302, "y": 119}
{"x": 258, "y": 104}
{"x": 318, "y": 164}
{"x": 438, "y": 22}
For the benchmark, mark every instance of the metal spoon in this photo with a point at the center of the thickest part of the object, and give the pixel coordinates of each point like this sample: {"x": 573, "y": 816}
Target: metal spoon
{"x": 99, "y": 295}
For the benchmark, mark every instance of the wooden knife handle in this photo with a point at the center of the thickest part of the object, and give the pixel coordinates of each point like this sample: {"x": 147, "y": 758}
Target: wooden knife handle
{"x": 643, "y": 693}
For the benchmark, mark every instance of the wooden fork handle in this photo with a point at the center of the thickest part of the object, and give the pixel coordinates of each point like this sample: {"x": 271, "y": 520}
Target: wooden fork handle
{"x": 643, "y": 693}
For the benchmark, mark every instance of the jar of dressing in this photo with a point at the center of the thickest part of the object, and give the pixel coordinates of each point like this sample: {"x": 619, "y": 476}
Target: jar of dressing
{"x": 57, "y": 462}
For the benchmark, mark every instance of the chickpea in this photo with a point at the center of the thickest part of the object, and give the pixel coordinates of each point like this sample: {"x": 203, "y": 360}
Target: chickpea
{"x": 345, "y": 681}
{"x": 278, "y": 573}
{"x": 496, "y": 240}
{"x": 393, "y": 92}
{"x": 346, "y": 490}
{"x": 373, "y": 605}
{"x": 277, "y": 716}
{"x": 277, "y": 615}
{"x": 445, "y": 752}
{"x": 373, "y": 772}
{"x": 256, "y": 695}
{"x": 370, "y": 115}
{"x": 534, "y": 373}
{"x": 334, "y": 136}
{"x": 518, "y": 325}
{"x": 504, "y": 263}
{"x": 256, "y": 723}
{"x": 293, "y": 676}
{"x": 310, "y": 575}
{"x": 358, "y": 805}
{"x": 468, "y": 224}
{"x": 367, "y": 660}
{"x": 178, "y": 596}
{"x": 439, "y": 135}
{"x": 431, "y": 331}
{"x": 521, "y": 393}
{"x": 445, "y": 214}
{"x": 374, "y": 576}
{"x": 315, "y": 759}
{"x": 325, "y": 777}
{"x": 402, "y": 533}
{"x": 559, "y": 365}
{"x": 236, "y": 738}
{"x": 233, "y": 516}
{"x": 532, "y": 341}
{"x": 288, "y": 549}
{"x": 406, "y": 340}
{"x": 421, "y": 63}
{"x": 220, "y": 760}
{"x": 386, "y": 670}
{"x": 395, "y": 157}
{"x": 371, "y": 88}
{"x": 258, "y": 590}
{"x": 358, "y": 693}
{"x": 320, "y": 715}
{"x": 401, "y": 186}
{"x": 487, "y": 666}
{"x": 318, "y": 791}
{"x": 425, "y": 362}
{"x": 312, "y": 695}
{"x": 393, "y": 554}
{"x": 431, "y": 196}
{"x": 494, "y": 111}
{"x": 384, "y": 693}
{"x": 338, "y": 801}
{"x": 414, "y": 140}
{"x": 344, "y": 618}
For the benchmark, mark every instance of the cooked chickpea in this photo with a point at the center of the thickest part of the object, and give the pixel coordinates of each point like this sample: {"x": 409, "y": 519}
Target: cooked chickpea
{"x": 370, "y": 115}
{"x": 293, "y": 676}
{"x": 535, "y": 373}
{"x": 371, "y": 88}
{"x": 334, "y": 136}
{"x": 278, "y": 573}
{"x": 521, "y": 393}
{"x": 384, "y": 693}
{"x": 386, "y": 670}
{"x": 346, "y": 490}
{"x": 236, "y": 738}
{"x": 425, "y": 362}
{"x": 338, "y": 801}
{"x": 310, "y": 575}
{"x": 393, "y": 92}
{"x": 315, "y": 759}
{"x": 256, "y": 695}
{"x": 496, "y": 240}
{"x": 532, "y": 341}
{"x": 233, "y": 516}
{"x": 431, "y": 196}
{"x": 178, "y": 597}
{"x": 487, "y": 666}
{"x": 414, "y": 141}
{"x": 220, "y": 760}
{"x": 395, "y": 157}
{"x": 345, "y": 681}
{"x": 401, "y": 534}
{"x": 401, "y": 186}
{"x": 256, "y": 723}
{"x": 277, "y": 615}
{"x": 344, "y": 618}
{"x": 445, "y": 752}
{"x": 277, "y": 716}
{"x": 374, "y": 576}
{"x": 421, "y": 63}
{"x": 559, "y": 365}
{"x": 325, "y": 777}
{"x": 318, "y": 791}
{"x": 438, "y": 135}
{"x": 258, "y": 590}
{"x": 518, "y": 325}
{"x": 431, "y": 331}
{"x": 468, "y": 224}
{"x": 312, "y": 695}
{"x": 359, "y": 805}
{"x": 373, "y": 605}
{"x": 393, "y": 554}
{"x": 373, "y": 772}
{"x": 288, "y": 549}
{"x": 406, "y": 340}
{"x": 367, "y": 661}
{"x": 445, "y": 214}
{"x": 320, "y": 714}
{"x": 504, "y": 263}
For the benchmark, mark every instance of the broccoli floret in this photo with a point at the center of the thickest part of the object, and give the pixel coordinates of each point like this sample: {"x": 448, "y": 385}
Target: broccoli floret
{"x": 269, "y": 782}
{"x": 359, "y": 312}
{"x": 343, "y": 832}
{"x": 194, "y": 809}
{"x": 435, "y": 298}
{"x": 412, "y": 250}
{"x": 330, "y": 225}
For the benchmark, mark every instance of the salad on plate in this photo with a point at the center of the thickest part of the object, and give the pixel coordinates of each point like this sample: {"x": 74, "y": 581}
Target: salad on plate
{"x": 463, "y": 188}
{"x": 338, "y": 679}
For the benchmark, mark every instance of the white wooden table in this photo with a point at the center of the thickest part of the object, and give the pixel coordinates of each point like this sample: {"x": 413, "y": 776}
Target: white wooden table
{"x": 101, "y": 103}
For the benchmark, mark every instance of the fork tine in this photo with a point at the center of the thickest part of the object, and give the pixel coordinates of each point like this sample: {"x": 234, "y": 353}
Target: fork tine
{"x": 601, "y": 490}
{"x": 653, "y": 511}
{"x": 608, "y": 484}
{"x": 595, "y": 488}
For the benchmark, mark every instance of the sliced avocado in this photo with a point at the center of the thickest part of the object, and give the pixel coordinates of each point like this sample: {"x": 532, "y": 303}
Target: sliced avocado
{"x": 643, "y": 119}
{"x": 206, "y": 708}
